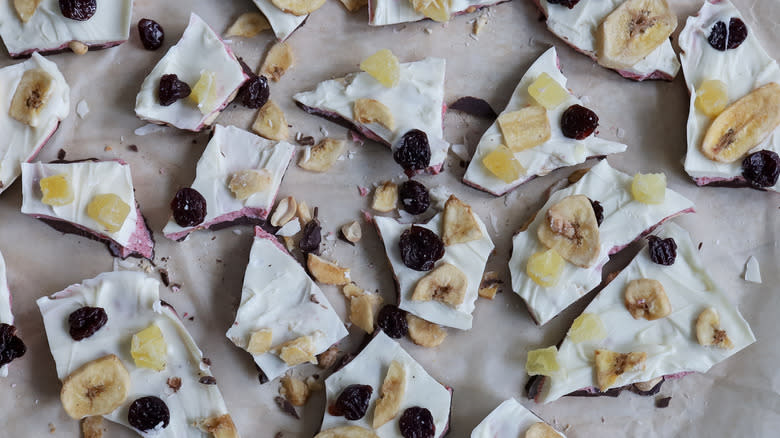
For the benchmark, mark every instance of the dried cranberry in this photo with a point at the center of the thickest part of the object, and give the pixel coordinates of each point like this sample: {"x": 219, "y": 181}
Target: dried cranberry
{"x": 80, "y": 10}
{"x": 568, "y": 3}
{"x": 414, "y": 152}
{"x": 420, "y": 248}
{"x": 417, "y": 422}
{"x": 255, "y": 92}
{"x": 311, "y": 237}
{"x": 147, "y": 412}
{"x": 11, "y": 347}
{"x": 578, "y": 122}
{"x": 662, "y": 251}
{"x": 352, "y": 403}
{"x": 172, "y": 89}
{"x": 152, "y": 34}
{"x": 414, "y": 197}
{"x": 761, "y": 168}
{"x": 722, "y": 38}
{"x": 598, "y": 210}
{"x": 84, "y": 322}
{"x": 189, "y": 207}
{"x": 392, "y": 321}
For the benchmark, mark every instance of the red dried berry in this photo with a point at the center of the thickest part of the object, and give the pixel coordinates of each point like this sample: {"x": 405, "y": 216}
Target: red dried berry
{"x": 172, "y": 89}
{"x": 420, "y": 248}
{"x": 761, "y": 168}
{"x": 352, "y": 403}
{"x": 722, "y": 38}
{"x": 417, "y": 422}
{"x": 392, "y": 321}
{"x": 152, "y": 34}
{"x": 414, "y": 197}
{"x": 147, "y": 412}
{"x": 598, "y": 210}
{"x": 413, "y": 152}
{"x": 662, "y": 251}
{"x": 568, "y": 3}
{"x": 84, "y": 322}
{"x": 311, "y": 237}
{"x": 79, "y": 10}
{"x": 189, "y": 207}
{"x": 578, "y": 122}
{"x": 11, "y": 346}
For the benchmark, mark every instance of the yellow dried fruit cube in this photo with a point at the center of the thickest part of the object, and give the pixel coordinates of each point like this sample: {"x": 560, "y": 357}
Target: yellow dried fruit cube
{"x": 298, "y": 351}
{"x": 149, "y": 349}
{"x": 56, "y": 190}
{"x": 587, "y": 327}
{"x": 649, "y": 188}
{"x": 109, "y": 210}
{"x": 547, "y": 92}
{"x": 502, "y": 163}
{"x": 246, "y": 183}
{"x": 384, "y": 67}
{"x": 545, "y": 267}
{"x": 204, "y": 93}
{"x": 543, "y": 361}
{"x": 260, "y": 341}
{"x": 525, "y": 128}
{"x": 712, "y": 97}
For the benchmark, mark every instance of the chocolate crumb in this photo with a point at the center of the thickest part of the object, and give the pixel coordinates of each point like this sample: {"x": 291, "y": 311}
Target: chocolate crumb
{"x": 206, "y": 360}
{"x": 191, "y": 318}
{"x": 286, "y": 407}
{"x": 306, "y": 141}
{"x": 314, "y": 299}
{"x": 278, "y": 435}
{"x": 164, "y": 277}
{"x": 700, "y": 244}
{"x": 208, "y": 380}
{"x": 133, "y": 148}
{"x": 662, "y": 402}
{"x": 174, "y": 383}
{"x": 61, "y": 154}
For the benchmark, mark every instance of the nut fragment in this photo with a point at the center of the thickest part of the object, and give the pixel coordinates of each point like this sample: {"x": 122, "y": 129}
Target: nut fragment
{"x": 571, "y": 229}
{"x": 648, "y": 385}
{"x": 353, "y": 5}
{"x": 304, "y": 214}
{"x": 646, "y": 298}
{"x": 248, "y": 25}
{"x": 460, "y": 225}
{"x": 260, "y": 341}
{"x": 446, "y": 283}
{"x": 78, "y": 47}
{"x": 425, "y": 333}
{"x": 489, "y": 285}
{"x": 294, "y": 389}
{"x": 327, "y": 272}
{"x": 541, "y": 430}
{"x": 31, "y": 96}
{"x": 298, "y": 7}
{"x": 385, "y": 197}
{"x": 374, "y": 111}
{"x": 219, "y": 427}
{"x": 321, "y": 157}
{"x": 96, "y": 388}
{"x": 611, "y": 365}
{"x": 352, "y": 290}
{"x": 708, "y": 331}
{"x": 362, "y": 309}
{"x": 246, "y": 183}
{"x": 270, "y": 122}
{"x": 298, "y": 351}
{"x": 278, "y": 60}
{"x": 285, "y": 211}
{"x": 393, "y": 391}
{"x": 26, "y": 8}
{"x": 92, "y": 427}
{"x": 347, "y": 432}
{"x": 352, "y": 232}
{"x": 328, "y": 358}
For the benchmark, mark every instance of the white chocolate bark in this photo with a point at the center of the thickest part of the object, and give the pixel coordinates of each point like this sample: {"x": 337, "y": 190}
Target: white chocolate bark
{"x": 6, "y": 317}
{"x": 384, "y": 12}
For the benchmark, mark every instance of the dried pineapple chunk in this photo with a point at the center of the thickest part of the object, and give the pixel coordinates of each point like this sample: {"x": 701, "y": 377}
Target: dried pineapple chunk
{"x": 649, "y": 188}
{"x": 298, "y": 351}
{"x": 587, "y": 327}
{"x": 204, "y": 93}
{"x": 260, "y": 341}
{"x": 712, "y": 97}
{"x": 502, "y": 163}
{"x": 56, "y": 190}
{"x": 384, "y": 67}
{"x": 547, "y": 92}
{"x": 246, "y": 183}
{"x": 109, "y": 211}
{"x": 149, "y": 349}
{"x": 543, "y": 361}
{"x": 545, "y": 267}
{"x": 525, "y": 128}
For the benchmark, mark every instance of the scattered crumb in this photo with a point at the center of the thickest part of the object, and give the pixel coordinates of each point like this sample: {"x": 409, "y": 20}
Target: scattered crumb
{"x": 286, "y": 407}
{"x": 82, "y": 109}
{"x": 164, "y": 277}
{"x": 149, "y": 128}
{"x": 133, "y": 148}
{"x": 323, "y": 131}
{"x": 662, "y": 402}
{"x": 61, "y": 154}
{"x": 174, "y": 383}
{"x": 479, "y": 23}
{"x": 752, "y": 270}
{"x": 108, "y": 148}
{"x": 428, "y": 30}
{"x": 700, "y": 244}
{"x": 52, "y": 428}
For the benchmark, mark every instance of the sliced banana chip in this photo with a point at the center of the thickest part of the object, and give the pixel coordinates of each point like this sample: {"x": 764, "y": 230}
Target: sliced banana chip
{"x": 632, "y": 31}
{"x": 323, "y": 156}
{"x": 460, "y": 225}
{"x": 571, "y": 229}
{"x": 446, "y": 283}
{"x": 425, "y": 333}
{"x": 96, "y": 388}
{"x": 385, "y": 197}
{"x": 708, "y": 331}
{"x": 373, "y": 111}
{"x": 31, "y": 96}
{"x": 248, "y": 25}
{"x": 298, "y": 7}
{"x": 219, "y": 427}
{"x": 611, "y": 365}
{"x": 277, "y": 61}
{"x": 541, "y": 430}
{"x": 646, "y": 298}
{"x": 392, "y": 394}
{"x": 271, "y": 123}
{"x": 326, "y": 272}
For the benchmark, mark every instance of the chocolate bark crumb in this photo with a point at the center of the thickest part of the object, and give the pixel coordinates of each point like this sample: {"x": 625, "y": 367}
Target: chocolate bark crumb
{"x": 174, "y": 383}
{"x": 206, "y": 360}
{"x": 61, "y": 154}
{"x": 164, "y": 277}
{"x": 286, "y": 407}
{"x": 208, "y": 380}
{"x": 133, "y": 148}
{"x": 306, "y": 141}
{"x": 662, "y": 402}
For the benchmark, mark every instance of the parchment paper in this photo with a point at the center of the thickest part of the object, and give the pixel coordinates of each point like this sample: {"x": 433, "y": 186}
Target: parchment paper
{"x": 485, "y": 365}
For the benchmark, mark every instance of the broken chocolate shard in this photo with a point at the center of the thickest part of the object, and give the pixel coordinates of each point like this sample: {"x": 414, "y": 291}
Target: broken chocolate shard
{"x": 474, "y": 106}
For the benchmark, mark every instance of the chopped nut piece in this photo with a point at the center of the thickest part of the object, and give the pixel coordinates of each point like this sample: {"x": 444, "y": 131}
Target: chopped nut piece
{"x": 219, "y": 427}
{"x": 304, "y": 214}
{"x": 362, "y": 309}
{"x": 327, "y": 358}
{"x": 270, "y": 122}
{"x": 314, "y": 384}
{"x": 260, "y": 341}
{"x": 611, "y": 365}
{"x": 298, "y": 7}
{"x": 374, "y": 111}
{"x": 460, "y": 225}
{"x": 246, "y": 183}
{"x": 541, "y": 430}
{"x": 489, "y": 285}
{"x": 285, "y": 211}
{"x": 278, "y": 60}
{"x": 393, "y": 391}
{"x": 479, "y": 24}
{"x": 425, "y": 333}
{"x": 248, "y": 25}
{"x": 298, "y": 351}
{"x": 385, "y": 197}
{"x": 526, "y": 128}
{"x": 646, "y": 298}
{"x": 92, "y": 427}
{"x": 354, "y": 5}
{"x": 321, "y": 157}
{"x": 327, "y": 272}
{"x": 352, "y": 232}
{"x": 295, "y": 390}
{"x": 446, "y": 283}
{"x": 708, "y": 331}
{"x": 78, "y": 47}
